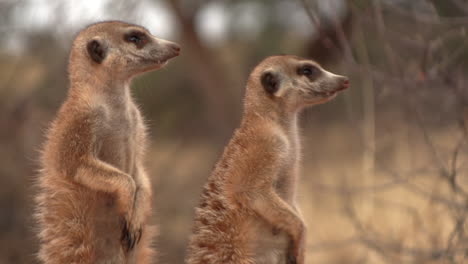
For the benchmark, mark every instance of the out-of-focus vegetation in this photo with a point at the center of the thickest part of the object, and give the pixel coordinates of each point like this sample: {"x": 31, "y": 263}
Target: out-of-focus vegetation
{"x": 385, "y": 164}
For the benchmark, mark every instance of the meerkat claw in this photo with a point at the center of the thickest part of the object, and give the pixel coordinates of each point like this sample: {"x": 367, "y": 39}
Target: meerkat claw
{"x": 291, "y": 259}
{"x": 129, "y": 238}
{"x": 140, "y": 233}
{"x": 125, "y": 237}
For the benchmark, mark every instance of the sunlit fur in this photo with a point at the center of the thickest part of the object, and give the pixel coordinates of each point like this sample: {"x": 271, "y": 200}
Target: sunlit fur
{"x": 248, "y": 212}
{"x": 92, "y": 180}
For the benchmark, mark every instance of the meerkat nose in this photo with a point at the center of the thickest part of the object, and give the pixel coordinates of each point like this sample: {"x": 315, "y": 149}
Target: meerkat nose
{"x": 346, "y": 83}
{"x": 175, "y": 47}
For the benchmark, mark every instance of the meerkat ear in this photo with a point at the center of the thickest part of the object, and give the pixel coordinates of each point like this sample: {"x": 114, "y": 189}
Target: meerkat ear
{"x": 96, "y": 50}
{"x": 270, "y": 82}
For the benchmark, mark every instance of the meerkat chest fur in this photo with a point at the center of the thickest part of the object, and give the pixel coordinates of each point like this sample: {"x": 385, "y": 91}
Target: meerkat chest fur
{"x": 121, "y": 131}
{"x": 288, "y": 172}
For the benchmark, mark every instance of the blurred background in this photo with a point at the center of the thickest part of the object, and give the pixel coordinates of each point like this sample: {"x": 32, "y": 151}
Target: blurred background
{"x": 385, "y": 166}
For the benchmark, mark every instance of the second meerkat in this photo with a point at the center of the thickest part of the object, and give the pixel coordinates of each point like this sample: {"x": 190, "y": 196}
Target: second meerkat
{"x": 94, "y": 194}
{"x": 248, "y": 213}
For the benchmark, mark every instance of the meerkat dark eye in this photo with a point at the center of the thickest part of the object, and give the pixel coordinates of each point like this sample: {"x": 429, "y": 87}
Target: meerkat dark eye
{"x": 308, "y": 70}
{"x": 136, "y": 37}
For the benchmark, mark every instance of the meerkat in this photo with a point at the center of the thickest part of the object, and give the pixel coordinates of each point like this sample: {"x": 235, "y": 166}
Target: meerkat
{"x": 94, "y": 195}
{"x": 248, "y": 213}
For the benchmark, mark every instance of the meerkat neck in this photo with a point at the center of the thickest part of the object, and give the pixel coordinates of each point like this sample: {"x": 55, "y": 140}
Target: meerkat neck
{"x": 95, "y": 82}
{"x": 287, "y": 120}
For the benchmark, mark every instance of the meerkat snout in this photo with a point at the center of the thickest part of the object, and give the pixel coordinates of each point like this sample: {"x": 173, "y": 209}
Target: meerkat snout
{"x": 148, "y": 52}
{"x": 164, "y": 50}
{"x": 172, "y": 48}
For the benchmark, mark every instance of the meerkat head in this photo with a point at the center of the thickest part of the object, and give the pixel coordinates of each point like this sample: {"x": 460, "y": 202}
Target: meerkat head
{"x": 296, "y": 82}
{"x": 122, "y": 49}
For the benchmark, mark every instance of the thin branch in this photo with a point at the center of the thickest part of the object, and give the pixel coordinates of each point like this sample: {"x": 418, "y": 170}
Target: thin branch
{"x": 358, "y": 190}
{"x": 333, "y": 245}
{"x": 313, "y": 17}
{"x": 430, "y": 195}
{"x": 452, "y": 177}
{"x": 439, "y": 162}
{"x": 445, "y": 21}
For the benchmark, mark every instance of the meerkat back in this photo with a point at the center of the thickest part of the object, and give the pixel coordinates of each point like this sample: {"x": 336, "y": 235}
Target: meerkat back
{"x": 94, "y": 196}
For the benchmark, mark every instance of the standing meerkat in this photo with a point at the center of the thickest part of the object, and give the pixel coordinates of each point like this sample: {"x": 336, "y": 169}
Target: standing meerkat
{"x": 94, "y": 194}
{"x": 248, "y": 213}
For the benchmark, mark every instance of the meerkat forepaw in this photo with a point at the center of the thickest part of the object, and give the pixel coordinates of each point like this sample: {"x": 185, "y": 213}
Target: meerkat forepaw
{"x": 131, "y": 235}
{"x": 292, "y": 255}
{"x": 132, "y": 230}
{"x": 295, "y": 253}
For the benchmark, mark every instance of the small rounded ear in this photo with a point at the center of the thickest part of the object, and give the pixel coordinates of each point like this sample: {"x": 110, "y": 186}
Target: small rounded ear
{"x": 270, "y": 82}
{"x": 96, "y": 50}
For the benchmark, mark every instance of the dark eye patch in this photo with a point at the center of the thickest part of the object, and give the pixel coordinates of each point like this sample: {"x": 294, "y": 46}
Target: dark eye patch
{"x": 309, "y": 70}
{"x": 136, "y": 37}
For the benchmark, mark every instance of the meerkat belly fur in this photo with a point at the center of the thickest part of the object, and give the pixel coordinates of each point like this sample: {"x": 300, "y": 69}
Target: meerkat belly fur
{"x": 94, "y": 194}
{"x": 248, "y": 213}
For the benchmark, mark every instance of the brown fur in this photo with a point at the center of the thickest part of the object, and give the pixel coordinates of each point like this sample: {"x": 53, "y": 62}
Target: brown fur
{"x": 248, "y": 212}
{"x": 94, "y": 196}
